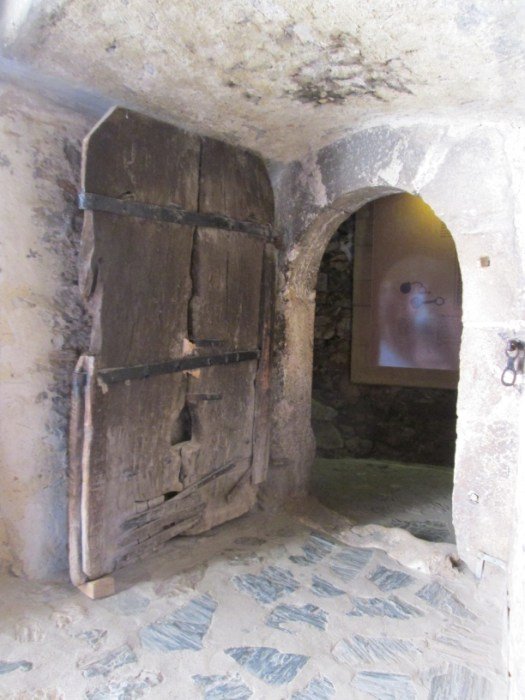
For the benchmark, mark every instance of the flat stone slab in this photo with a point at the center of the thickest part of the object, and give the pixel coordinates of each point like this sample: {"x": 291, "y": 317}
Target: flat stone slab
{"x": 322, "y": 412}
{"x": 223, "y": 687}
{"x": 268, "y": 586}
{"x": 307, "y": 614}
{"x": 109, "y": 662}
{"x": 325, "y": 589}
{"x": 389, "y": 579}
{"x": 127, "y": 689}
{"x": 359, "y": 649}
{"x": 95, "y": 637}
{"x": 443, "y": 600}
{"x": 316, "y": 548}
{"x": 317, "y": 689}
{"x": 387, "y": 686}
{"x": 10, "y": 666}
{"x": 429, "y": 530}
{"x": 347, "y": 564}
{"x": 183, "y": 629}
{"x": 268, "y": 664}
{"x": 460, "y": 682}
{"x": 384, "y": 607}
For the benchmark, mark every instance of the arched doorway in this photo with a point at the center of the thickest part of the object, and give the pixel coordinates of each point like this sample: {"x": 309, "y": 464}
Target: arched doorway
{"x": 385, "y": 368}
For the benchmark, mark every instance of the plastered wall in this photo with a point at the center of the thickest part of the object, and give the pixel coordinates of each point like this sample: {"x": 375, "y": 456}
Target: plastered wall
{"x": 41, "y": 326}
{"x": 470, "y": 175}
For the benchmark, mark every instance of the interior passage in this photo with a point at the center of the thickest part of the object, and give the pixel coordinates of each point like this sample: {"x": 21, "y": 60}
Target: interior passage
{"x": 386, "y": 341}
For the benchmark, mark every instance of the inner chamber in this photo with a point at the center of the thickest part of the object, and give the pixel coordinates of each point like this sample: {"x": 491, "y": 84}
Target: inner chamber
{"x": 386, "y": 368}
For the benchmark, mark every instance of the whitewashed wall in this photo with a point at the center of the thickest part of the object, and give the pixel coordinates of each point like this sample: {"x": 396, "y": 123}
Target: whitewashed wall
{"x": 41, "y": 326}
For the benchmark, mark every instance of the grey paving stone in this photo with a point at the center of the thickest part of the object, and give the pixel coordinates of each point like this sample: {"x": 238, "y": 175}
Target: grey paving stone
{"x": 429, "y": 530}
{"x": 128, "y": 688}
{"x": 268, "y": 586}
{"x": 268, "y": 664}
{"x": 384, "y": 607}
{"x": 371, "y": 650}
{"x": 350, "y": 562}
{"x": 324, "y": 588}
{"x": 316, "y": 548}
{"x": 110, "y": 661}
{"x": 183, "y": 629}
{"x": 95, "y": 637}
{"x": 385, "y": 686}
{"x": 460, "y": 643}
{"x": 223, "y": 687}
{"x": 389, "y": 579}
{"x": 309, "y": 614}
{"x": 443, "y": 600}
{"x": 460, "y": 683}
{"x": 317, "y": 689}
{"x": 10, "y": 666}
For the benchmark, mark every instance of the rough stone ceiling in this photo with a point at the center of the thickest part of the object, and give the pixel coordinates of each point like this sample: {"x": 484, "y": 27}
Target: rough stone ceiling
{"x": 279, "y": 76}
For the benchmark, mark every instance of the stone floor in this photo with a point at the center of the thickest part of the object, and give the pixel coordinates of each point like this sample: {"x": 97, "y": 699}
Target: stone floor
{"x": 414, "y": 497}
{"x": 299, "y": 605}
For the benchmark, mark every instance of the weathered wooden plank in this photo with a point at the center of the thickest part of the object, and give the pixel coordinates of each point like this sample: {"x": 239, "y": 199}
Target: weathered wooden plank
{"x": 99, "y": 588}
{"x": 262, "y": 416}
{"x": 79, "y": 436}
{"x": 136, "y": 276}
{"x": 166, "y": 518}
{"x": 167, "y": 509}
{"x": 136, "y": 457}
{"x": 226, "y": 497}
{"x": 142, "y": 290}
{"x": 235, "y": 183}
{"x": 226, "y": 273}
{"x": 227, "y": 276}
{"x": 126, "y": 555}
{"x": 129, "y": 155}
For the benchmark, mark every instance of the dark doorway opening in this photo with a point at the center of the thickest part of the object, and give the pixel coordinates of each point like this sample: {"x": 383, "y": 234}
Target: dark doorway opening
{"x": 385, "y": 452}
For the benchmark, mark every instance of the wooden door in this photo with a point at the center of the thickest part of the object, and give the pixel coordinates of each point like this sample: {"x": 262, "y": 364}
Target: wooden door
{"x": 169, "y": 428}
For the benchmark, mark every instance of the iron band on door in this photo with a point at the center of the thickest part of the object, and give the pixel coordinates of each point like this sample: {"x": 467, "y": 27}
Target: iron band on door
{"x": 171, "y": 214}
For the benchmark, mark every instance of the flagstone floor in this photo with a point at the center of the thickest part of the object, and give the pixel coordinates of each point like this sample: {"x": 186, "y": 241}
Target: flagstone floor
{"x": 273, "y": 605}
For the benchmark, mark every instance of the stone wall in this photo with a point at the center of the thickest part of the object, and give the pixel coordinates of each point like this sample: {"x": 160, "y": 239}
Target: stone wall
{"x": 43, "y": 326}
{"x": 362, "y": 420}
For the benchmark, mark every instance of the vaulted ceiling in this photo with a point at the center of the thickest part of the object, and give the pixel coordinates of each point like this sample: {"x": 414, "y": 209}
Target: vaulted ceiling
{"x": 279, "y": 76}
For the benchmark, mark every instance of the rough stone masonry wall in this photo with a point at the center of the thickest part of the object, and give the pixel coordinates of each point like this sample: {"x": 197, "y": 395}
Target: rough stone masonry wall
{"x": 43, "y": 327}
{"x": 408, "y": 424}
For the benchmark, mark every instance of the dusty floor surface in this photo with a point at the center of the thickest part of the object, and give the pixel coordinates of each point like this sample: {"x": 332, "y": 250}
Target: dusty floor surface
{"x": 269, "y": 606}
{"x": 414, "y": 497}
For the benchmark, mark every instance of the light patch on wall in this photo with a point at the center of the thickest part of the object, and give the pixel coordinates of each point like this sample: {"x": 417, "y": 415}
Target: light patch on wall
{"x": 13, "y": 15}
{"x": 391, "y": 173}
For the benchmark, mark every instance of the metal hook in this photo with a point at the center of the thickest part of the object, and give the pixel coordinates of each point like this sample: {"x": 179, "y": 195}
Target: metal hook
{"x": 515, "y": 350}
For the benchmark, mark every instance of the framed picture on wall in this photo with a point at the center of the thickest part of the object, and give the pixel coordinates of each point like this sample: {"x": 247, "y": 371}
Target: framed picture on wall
{"x": 406, "y": 327}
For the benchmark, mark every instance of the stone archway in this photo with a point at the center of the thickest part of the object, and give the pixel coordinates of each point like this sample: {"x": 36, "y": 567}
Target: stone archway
{"x": 385, "y": 427}
{"x": 319, "y": 194}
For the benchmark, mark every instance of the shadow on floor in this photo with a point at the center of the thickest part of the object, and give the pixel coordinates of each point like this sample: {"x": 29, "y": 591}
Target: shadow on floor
{"x": 414, "y": 497}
